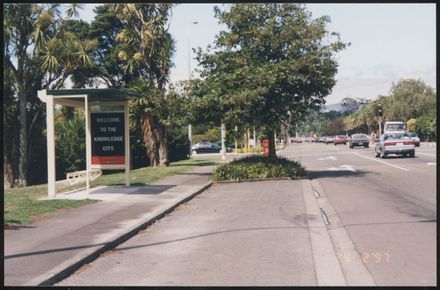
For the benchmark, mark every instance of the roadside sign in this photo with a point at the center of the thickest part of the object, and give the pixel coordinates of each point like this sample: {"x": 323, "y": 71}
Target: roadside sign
{"x": 108, "y": 138}
{"x": 266, "y": 147}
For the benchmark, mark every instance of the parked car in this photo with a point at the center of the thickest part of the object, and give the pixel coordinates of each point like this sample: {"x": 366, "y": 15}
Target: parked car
{"x": 329, "y": 139}
{"x": 358, "y": 140}
{"x": 395, "y": 144}
{"x": 414, "y": 137}
{"x": 205, "y": 147}
{"x": 218, "y": 145}
{"x": 340, "y": 139}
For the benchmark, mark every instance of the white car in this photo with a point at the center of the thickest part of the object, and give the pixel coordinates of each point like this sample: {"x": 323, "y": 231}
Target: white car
{"x": 414, "y": 137}
{"x": 395, "y": 144}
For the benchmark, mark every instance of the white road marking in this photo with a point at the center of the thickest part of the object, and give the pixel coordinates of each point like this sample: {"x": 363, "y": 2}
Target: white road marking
{"x": 342, "y": 167}
{"x": 311, "y": 155}
{"x": 386, "y": 163}
{"x": 327, "y": 158}
{"x": 431, "y": 163}
{"x": 419, "y": 153}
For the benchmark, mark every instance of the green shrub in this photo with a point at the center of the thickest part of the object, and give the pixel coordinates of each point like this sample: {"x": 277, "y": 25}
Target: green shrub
{"x": 258, "y": 167}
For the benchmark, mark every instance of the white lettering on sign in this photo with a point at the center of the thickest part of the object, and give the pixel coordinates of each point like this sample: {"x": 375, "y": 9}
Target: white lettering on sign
{"x": 105, "y": 139}
{"x": 108, "y": 148}
{"x": 111, "y": 129}
{"x": 107, "y": 120}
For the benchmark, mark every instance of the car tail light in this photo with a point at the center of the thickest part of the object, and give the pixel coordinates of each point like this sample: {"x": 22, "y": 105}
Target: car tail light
{"x": 410, "y": 142}
{"x": 388, "y": 143}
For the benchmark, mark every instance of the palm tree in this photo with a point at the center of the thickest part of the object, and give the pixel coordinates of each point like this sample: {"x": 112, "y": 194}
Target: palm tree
{"x": 147, "y": 53}
{"x": 34, "y": 53}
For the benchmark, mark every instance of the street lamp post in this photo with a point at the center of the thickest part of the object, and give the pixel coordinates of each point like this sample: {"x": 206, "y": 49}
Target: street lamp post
{"x": 189, "y": 79}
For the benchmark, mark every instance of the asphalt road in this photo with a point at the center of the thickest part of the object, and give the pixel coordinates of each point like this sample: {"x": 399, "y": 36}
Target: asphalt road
{"x": 382, "y": 215}
{"x": 388, "y": 207}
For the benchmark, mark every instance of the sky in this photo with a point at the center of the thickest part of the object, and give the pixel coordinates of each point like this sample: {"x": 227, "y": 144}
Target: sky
{"x": 389, "y": 42}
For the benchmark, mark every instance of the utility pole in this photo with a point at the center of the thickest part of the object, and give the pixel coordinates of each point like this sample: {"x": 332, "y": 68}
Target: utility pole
{"x": 189, "y": 79}
{"x": 223, "y": 132}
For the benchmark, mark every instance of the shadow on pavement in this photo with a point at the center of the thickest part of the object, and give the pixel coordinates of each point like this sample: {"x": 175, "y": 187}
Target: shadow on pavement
{"x": 203, "y": 163}
{"x": 42, "y": 252}
{"x": 336, "y": 173}
{"x": 145, "y": 189}
{"x": 14, "y": 225}
{"x": 209, "y": 234}
{"x": 195, "y": 173}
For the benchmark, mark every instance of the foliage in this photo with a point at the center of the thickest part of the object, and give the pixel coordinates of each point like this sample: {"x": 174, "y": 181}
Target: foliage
{"x": 336, "y": 127}
{"x": 258, "y": 167}
{"x": 271, "y": 61}
{"x": 40, "y": 53}
{"x": 70, "y": 145}
{"x": 411, "y": 125}
{"x": 178, "y": 143}
{"x": 145, "y": 49}
{"x": 426, "y": 127}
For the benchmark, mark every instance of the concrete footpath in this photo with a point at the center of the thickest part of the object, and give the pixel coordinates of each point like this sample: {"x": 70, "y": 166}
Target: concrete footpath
{"x": 46, "y": 252}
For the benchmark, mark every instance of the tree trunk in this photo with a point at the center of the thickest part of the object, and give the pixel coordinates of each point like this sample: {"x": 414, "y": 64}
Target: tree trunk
{"x": 8, "y": 176}
{"x": 150, "y": 139}
{"x": 161, "y": 136}
{"x": 22, "y": 166}
{"x": 270, "y": 134}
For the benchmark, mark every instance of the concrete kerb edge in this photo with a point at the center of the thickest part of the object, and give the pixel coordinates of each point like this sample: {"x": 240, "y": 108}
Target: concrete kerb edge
{"x": 253, "y": 180}
{"x": 94, "y": 254}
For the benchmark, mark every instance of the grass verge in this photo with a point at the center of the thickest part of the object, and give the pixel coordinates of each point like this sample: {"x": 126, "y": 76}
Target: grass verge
{"x": 22, "y": 205}
{"x": 258, "y": 167}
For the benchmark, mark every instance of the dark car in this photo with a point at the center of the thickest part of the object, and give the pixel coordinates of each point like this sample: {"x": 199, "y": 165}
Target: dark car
{"x": 205, "y": 147}
{"x": 218, "y": 146}
{"x": 358, "y": 140}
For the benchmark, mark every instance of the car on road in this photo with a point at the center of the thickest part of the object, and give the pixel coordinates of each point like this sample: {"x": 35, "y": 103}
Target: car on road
{"x": 395, "y": 144}
{"x": 329, "y": 139}
{"x": 205, "y": 147}
{"x": 394, "y": 127}
{"x": 414, "y": 137}
{"x": 340, "y": 139}
{"x": 358, "y": 140}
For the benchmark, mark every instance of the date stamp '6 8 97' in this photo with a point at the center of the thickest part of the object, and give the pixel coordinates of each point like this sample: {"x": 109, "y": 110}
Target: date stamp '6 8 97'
{"x": 367, "y": 257}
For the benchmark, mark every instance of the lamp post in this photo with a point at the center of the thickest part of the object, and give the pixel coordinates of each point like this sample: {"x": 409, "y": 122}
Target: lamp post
{"x": 189, "y": 79}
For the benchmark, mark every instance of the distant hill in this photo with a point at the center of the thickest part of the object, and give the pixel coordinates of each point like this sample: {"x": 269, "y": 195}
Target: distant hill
{"x": 333, "y": 107}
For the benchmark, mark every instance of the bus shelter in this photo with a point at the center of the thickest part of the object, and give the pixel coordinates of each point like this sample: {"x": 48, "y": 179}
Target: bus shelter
{"x": 106, "y": 127}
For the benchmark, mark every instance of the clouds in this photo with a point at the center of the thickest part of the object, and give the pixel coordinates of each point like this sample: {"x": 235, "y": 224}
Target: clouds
{"x": 374, "y": 80}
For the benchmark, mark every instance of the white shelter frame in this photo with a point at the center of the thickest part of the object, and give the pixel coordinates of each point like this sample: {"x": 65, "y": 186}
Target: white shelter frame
{"x": 80, "y": 101}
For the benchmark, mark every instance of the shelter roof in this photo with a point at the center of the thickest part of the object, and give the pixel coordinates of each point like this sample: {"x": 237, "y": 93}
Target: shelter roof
{"x": 95, "y": 95}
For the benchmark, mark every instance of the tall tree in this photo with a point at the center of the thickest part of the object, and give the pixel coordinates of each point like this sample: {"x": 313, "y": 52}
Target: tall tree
{"x": 270, "y": 59}
{"x": 146, "y": 50}
{"x": 38, "y": 57}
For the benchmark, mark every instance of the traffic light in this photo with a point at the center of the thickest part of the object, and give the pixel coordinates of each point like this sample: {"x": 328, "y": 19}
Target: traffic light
{"x": 379, "y": 110}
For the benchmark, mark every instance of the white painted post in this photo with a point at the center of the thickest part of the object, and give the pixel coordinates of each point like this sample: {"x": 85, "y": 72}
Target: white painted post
{"x": 51, "y": 190}
{"x": 255, "y": 140}
{"x": 127, "y": 145}
{"x": 88, "y": 142}
{"x": 190, "y": 139}
{"x": 223, "y": 133}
